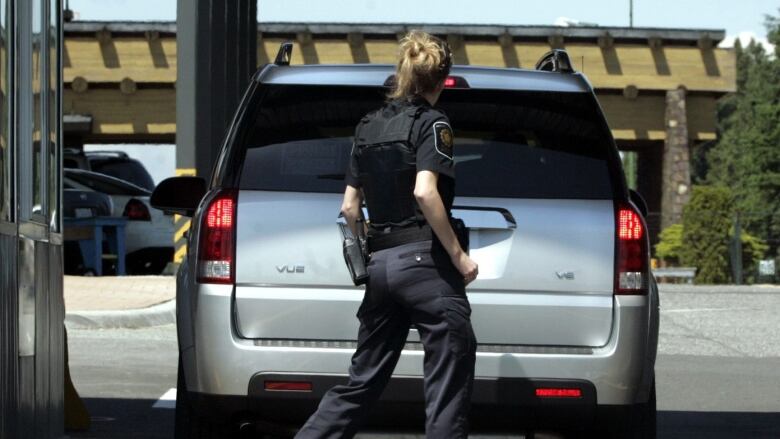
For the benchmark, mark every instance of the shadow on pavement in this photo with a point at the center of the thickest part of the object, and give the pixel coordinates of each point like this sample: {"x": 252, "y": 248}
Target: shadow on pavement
{"x": 117, "y": 418}
{"x": 718, "y": 425}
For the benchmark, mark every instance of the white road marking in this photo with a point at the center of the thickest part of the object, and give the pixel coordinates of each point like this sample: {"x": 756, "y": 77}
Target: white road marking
{"x": 167, "y": 401}
{"x": 706, "y": 309}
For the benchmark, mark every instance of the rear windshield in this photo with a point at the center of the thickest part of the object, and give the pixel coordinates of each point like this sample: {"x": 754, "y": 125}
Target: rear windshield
{"x": 106, "y": 184}
{"x": 127, "y": 169}
{"x": 517, "y": 144}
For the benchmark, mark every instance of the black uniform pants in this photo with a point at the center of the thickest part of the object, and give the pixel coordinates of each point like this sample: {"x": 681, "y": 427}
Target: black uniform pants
{"x": 408, "y": 285}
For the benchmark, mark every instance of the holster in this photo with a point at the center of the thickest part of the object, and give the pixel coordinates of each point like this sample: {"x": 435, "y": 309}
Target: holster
{"x": 461, "y": 232}
{"x": 355, "y": 254}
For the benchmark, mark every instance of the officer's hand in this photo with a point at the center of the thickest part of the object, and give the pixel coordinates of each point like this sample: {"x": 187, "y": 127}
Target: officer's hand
{"x": 466, "y": 266}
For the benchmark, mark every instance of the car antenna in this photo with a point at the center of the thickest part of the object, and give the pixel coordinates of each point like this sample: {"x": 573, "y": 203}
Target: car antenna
{"x": 284, "y": 55}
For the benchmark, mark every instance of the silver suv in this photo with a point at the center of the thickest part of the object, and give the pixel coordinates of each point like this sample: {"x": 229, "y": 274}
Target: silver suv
{"x": 565, "y": 309}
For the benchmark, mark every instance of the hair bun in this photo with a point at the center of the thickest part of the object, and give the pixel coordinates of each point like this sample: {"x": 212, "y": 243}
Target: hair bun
{"x": 413, "y": 45}
{"x": 423, "y": 63}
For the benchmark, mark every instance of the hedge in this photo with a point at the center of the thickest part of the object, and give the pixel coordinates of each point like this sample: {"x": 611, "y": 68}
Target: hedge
{"x": 706, "y": 223}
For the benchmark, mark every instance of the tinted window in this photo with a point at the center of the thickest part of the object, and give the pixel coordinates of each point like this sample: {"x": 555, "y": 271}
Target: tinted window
{"x": 507, "y": 143}
{"x": 315, "y": 165}
{"x": 128, "y": 170}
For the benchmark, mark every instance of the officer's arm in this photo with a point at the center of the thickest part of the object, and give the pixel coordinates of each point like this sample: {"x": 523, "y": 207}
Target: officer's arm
{"x": 350, "y": 207}
{"x": 432, "y": 206}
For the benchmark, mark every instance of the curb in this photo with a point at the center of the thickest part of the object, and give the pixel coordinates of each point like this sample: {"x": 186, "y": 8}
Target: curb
{"x": 156, "y": 315}
{"x": 719, "y": 289}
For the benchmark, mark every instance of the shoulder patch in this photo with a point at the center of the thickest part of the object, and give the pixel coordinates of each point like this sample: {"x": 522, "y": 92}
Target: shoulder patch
{"x": 443, "y": 138}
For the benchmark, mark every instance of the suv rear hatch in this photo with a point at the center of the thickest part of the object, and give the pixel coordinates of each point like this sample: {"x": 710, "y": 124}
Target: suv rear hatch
{"x": 536, "y": 176}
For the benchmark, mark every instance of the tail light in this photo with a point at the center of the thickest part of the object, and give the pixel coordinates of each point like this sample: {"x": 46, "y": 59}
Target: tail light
{"x": 288, "y": 386}
{"x": 455, "y": 82}
{"x": 136, "y": 210}
{"x": 449, "y": 82}
{"x": 217, "y": 249}
{"x": 558, "y": 392}
{"x": 631, "y": 252}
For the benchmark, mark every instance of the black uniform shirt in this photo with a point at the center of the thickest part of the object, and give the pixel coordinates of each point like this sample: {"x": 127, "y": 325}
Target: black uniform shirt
{"x": 433, "y": 138}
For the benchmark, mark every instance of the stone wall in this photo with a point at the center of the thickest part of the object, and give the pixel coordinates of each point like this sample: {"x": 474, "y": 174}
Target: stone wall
{"x": 676, "y": 179}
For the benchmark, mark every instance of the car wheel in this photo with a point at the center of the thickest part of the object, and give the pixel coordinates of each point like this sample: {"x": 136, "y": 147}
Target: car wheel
{"x": 634, "y": 422}
{"x": 649, "y": 412}
{"x": 187, "y": 423}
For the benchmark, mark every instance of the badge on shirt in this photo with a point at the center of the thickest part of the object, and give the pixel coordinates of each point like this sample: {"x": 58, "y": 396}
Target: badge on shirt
{"x": 444, "y": 139}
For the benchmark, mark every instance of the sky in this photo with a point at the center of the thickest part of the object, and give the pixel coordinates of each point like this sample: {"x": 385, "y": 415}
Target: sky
{"x": 743, "y": 18}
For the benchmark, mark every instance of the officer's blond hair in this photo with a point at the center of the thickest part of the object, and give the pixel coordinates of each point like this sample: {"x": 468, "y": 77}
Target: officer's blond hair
{"x": 423, "y": 62}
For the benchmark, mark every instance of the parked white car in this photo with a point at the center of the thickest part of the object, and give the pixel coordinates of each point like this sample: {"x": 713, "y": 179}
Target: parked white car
{"x": 149, "y": 233}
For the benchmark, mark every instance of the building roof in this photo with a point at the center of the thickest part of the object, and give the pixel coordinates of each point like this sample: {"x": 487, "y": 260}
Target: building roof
{"x": 620, "y": 34}
{"x": 117, "y": 71}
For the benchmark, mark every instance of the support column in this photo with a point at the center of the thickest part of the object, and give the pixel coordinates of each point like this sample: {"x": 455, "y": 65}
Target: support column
{"x": 216, "y": 57}
{"x": 676, "y": 183}
{"x": 649, "y": 183}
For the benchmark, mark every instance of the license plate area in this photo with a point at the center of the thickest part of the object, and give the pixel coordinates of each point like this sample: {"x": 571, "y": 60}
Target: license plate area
{"x": 84, "y": 212}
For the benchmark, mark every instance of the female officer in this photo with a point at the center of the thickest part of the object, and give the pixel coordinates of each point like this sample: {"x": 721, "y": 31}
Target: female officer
{"x": 402, "y": 165}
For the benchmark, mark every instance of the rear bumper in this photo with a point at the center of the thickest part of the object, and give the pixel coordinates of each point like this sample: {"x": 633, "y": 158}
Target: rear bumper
{"x": 498, "y": 404}
{"x": 140, "y": 235}
{"x": 149, "y": 260}
{"x": 152, "y": 253}
{"x": 221, "y": 364}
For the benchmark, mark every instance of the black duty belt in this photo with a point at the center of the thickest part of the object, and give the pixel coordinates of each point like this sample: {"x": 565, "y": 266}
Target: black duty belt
{"x": 381, "y": 241}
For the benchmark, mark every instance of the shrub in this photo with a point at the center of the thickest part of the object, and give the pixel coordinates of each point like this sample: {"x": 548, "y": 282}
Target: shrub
{"x": 707, "y": 220}
{"x": 753, "y": 250}
{"x": 670, "y": 244}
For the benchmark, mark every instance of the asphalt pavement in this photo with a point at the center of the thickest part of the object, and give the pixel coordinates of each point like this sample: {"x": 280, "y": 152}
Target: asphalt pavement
{"x": 725, "y": 321}
{"x": 718, "y": 370}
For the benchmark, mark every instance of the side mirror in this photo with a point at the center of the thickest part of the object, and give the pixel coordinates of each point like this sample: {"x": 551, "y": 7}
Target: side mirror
{"x": 638, "y": 201}
{"x": 179, "y": 195}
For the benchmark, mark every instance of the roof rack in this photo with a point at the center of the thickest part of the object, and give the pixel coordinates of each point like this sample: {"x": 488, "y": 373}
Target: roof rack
{"x": 284, "y": 55}
{"x": 556, "y": 60}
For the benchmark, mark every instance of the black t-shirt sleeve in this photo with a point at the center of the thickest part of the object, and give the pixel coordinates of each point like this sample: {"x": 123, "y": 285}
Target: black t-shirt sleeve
{"x": 351, "y": 176}
{"x": 435, "y": 145}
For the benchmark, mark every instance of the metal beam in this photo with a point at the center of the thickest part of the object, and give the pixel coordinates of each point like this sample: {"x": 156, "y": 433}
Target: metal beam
{"x": 674, "y": 35}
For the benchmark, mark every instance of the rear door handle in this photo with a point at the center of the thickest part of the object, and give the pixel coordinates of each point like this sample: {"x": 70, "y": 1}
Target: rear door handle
{"x": 482, "y": 217}
{"x": 475, "y": 217}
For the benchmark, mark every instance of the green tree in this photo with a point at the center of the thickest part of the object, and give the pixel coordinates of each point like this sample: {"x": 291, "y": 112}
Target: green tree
{"x": 707, "y": 220}
{"x": 746, "y": 157}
